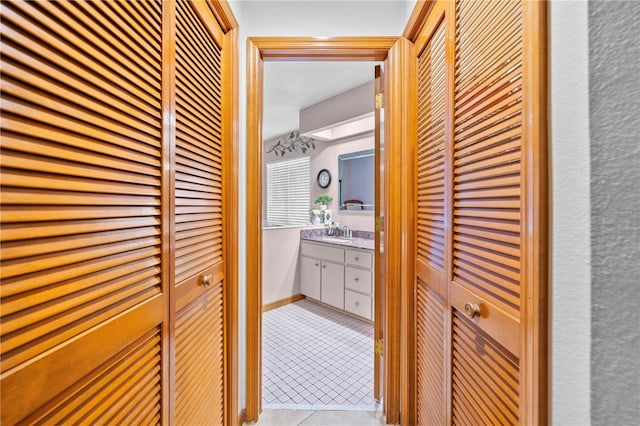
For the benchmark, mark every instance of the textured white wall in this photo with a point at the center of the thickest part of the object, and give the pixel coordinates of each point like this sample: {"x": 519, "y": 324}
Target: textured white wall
{"x": 614, "y": 103}
{"x": 571, "y": 273}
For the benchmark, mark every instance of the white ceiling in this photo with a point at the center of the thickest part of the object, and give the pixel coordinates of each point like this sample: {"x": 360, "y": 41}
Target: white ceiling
{"x": 291, "y": 86}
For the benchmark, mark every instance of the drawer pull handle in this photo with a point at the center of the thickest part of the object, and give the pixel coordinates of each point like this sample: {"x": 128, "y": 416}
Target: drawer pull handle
{"x": 356, "y": 279}
{"x": 472, "y": 310}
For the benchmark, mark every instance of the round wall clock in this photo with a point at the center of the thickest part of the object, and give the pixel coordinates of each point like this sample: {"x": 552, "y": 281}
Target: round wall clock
{"x": 324, "y": 178}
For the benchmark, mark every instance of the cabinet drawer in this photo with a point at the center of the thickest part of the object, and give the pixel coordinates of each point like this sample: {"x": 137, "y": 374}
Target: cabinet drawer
{"x": 359, "y": 258}
{"x": 357, "y": 303}
{"x": 333, "y": 254}
{"x": 357, "y": 279}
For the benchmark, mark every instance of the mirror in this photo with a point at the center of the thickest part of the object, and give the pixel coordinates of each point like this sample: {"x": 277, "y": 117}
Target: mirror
{"x": 356, "y": 180}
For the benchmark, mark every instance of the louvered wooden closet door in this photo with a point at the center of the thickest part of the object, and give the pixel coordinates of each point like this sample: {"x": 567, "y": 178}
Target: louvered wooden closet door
{"x": 486, "y": 246}
{"x": 430, "y": 291}
{"x": 198, "y": 207}
{"x": 82, "y": 287}
{"x": 472, "y": 210}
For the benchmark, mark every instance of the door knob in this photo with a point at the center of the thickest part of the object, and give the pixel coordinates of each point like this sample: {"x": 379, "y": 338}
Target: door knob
{"x": 207, "y": 280}
{"x": 472, "y": 310}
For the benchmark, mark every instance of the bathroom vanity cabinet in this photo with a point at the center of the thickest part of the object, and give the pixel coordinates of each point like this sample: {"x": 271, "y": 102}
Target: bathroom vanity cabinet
{"x": 338, "y": 276}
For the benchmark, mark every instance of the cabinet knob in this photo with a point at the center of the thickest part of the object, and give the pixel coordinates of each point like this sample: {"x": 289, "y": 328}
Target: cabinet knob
{"x": 317, "y": 264}
{"x": 356, "y": 279}
{"x": 472, "y": 310}
{"x": 324, "y": 266}
{"x": 357, "y": 303}
{"x": 357, "y": 258}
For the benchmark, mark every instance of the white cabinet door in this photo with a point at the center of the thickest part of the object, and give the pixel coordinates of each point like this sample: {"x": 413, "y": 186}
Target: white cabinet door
{"x": 310, "y": 277}
{"x": 333, "y": 284}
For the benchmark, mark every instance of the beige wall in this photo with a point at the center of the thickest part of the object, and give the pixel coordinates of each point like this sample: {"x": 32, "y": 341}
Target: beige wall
{"x": 280, "y": 247}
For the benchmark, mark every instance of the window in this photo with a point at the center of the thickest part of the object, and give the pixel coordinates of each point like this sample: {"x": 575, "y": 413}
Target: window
{"x": 288, "y": 192}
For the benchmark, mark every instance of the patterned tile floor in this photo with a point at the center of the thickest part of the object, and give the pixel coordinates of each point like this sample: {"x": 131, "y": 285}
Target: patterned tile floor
{"x": 270, "y": 417}
{"x": 316, "y": 358}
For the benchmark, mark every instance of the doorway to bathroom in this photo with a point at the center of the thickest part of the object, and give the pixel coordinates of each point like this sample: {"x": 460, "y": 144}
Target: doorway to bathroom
{"x": 318, "y": 298}
{"x": 386, "y": 279}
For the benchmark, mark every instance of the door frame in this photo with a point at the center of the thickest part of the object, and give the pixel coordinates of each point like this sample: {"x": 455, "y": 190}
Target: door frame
{"x": 398, "y": 235}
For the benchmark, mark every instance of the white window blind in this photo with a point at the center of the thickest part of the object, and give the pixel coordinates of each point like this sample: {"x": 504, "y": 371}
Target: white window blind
{"x": 288, "y": 192}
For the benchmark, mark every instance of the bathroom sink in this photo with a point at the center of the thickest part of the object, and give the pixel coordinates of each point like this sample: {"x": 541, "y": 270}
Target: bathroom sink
{"x": 336, "y": 239}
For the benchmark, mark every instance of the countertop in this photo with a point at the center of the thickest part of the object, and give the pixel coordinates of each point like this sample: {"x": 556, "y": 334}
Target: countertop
{"x": 360, "y": 239}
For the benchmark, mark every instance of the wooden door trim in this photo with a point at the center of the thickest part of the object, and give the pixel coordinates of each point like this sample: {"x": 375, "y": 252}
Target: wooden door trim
{"x": 168, "y": 206}
{"x": 534, "y": 216}
{"x": 535, "y": 247}
{"x": 316, "y": 49}
{"x": 378, "y": 314}
{"x": 260, "y": 49}
{"x": 401, "y": 103}
{"x": 419, "y": 15}
{"x": 223, "y": 14}
{"x": 254, "y": 234}
{"x": 230, "y": 110}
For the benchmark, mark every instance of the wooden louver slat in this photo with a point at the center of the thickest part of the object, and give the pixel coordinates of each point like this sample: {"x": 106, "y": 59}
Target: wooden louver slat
{"x": 485, "y": 377}
{"x": 198, "y": 146}
{"x": 199, "y": 329}
{"x": 488, "y": 120}
{"x": 112, "y": 395}
{"x": 431, "y": 112}
{"x": 80, "y": 172}
{"x": 430, "y": 371}
{"x": 199, "y": 358}
{"x": 111, "y": 188}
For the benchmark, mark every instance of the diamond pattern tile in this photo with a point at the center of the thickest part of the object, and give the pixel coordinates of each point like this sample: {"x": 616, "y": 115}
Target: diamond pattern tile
{"x": 314, "y": 357}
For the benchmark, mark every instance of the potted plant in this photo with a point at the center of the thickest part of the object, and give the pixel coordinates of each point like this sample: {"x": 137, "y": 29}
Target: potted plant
{"x": 323, "y": 200}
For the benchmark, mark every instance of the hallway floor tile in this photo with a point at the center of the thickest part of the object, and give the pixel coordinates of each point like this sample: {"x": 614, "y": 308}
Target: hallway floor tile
{"x": 320, "y": 418}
